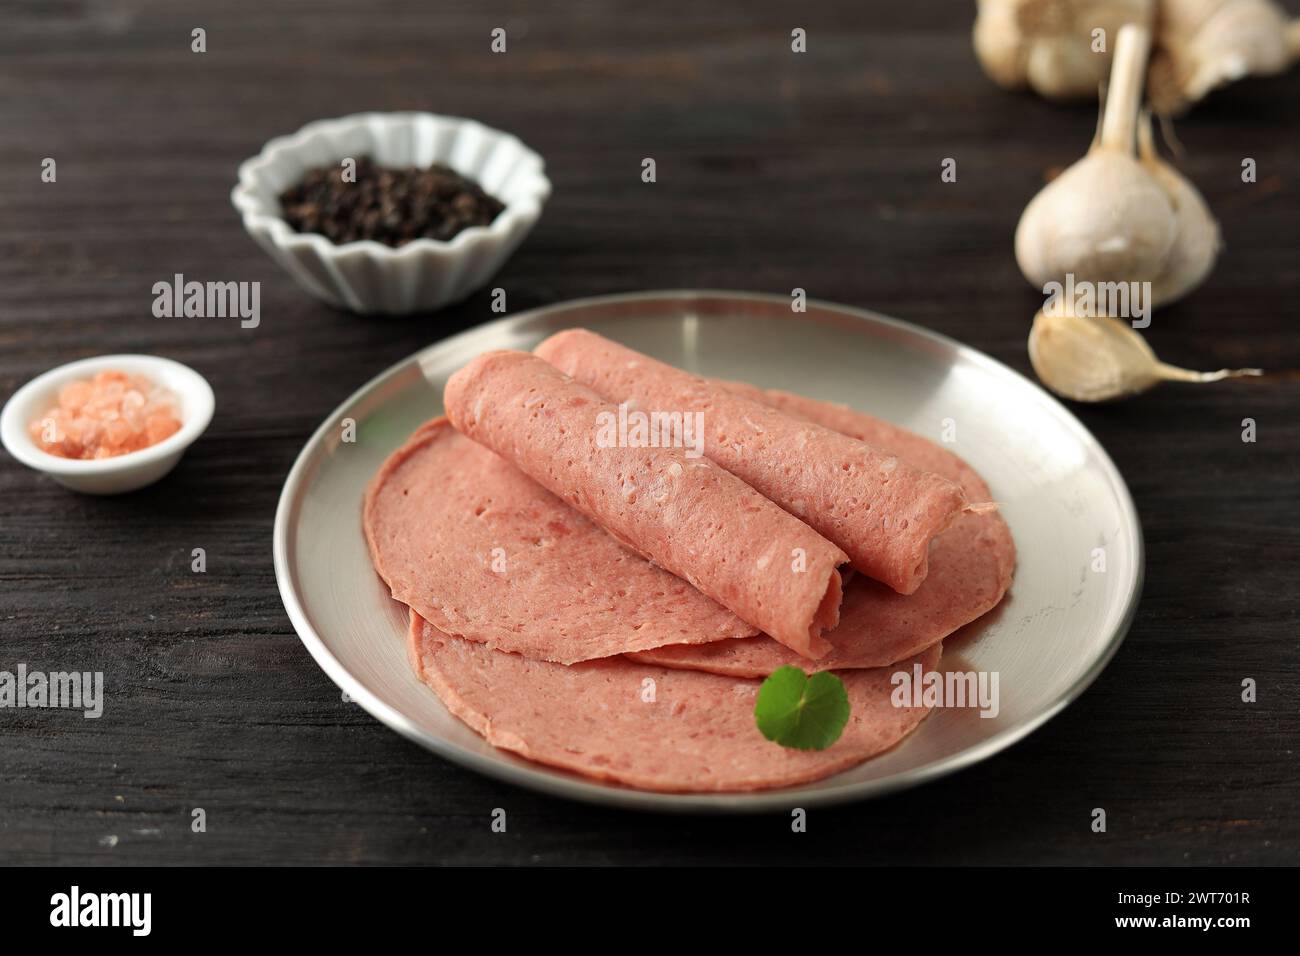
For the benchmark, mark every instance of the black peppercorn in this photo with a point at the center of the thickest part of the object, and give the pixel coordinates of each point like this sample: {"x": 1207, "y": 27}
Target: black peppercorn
{"x": 391, "y": 206}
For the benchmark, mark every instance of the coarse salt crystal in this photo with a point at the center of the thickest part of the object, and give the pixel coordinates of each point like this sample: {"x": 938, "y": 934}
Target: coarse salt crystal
{"x": 111, "y": 414}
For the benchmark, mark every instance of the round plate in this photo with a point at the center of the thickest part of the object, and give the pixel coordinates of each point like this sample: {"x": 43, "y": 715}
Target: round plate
{"x": 1059, "y": 491}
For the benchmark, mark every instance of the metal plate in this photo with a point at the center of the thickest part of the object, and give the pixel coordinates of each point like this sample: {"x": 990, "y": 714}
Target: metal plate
{"x": 1059, "y": 491}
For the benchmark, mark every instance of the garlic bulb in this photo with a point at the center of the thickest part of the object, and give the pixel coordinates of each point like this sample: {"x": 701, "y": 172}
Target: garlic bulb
{"x": 1048, "y": 45}
{"x": 1112, "y": 217}
{"x": 1204, "y": 44}
{"x": 1101, "y": 358}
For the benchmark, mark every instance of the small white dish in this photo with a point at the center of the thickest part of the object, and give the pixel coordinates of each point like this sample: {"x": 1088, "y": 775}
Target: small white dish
{"x": 368, "y": 276}
{"x": 121, "y": 473}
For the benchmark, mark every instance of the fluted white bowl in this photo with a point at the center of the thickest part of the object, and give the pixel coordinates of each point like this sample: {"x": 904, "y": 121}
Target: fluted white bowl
{"x": 121, "y": 473}
{"x": 368, "y": 276}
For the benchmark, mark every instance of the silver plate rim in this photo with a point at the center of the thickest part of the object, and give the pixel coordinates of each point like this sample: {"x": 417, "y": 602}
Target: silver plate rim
{"x": 553, "y": 783}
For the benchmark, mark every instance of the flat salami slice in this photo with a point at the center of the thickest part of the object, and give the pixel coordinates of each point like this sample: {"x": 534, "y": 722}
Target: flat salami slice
{"x": 472, "y": 544}
{"x": 684, "y": 513}
{"x": 881, "y": 511}
{"x": 694, "y": 733}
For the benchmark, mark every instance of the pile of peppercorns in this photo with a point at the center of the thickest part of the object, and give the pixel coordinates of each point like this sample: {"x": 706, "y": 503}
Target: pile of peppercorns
{"x": 392, "y": 206}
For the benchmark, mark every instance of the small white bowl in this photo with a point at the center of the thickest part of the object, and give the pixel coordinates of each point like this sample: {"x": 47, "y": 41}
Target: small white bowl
{"x": 424, "y": 274}
{"x": 108, "y": 476}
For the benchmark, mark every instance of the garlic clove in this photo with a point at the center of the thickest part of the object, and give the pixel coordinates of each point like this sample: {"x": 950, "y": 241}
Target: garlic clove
{"x": 1101, "y": 359}
{"x": 1064, "y": 69}
{"x": 1198, "y": 239}
{"x": 999, "y": 44}
{"x": 1087, "y": 359}
{"x": 1206, "y": 44}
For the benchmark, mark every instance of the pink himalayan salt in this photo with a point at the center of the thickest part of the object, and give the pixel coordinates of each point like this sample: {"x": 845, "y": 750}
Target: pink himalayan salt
{"x": 111, "y": 414}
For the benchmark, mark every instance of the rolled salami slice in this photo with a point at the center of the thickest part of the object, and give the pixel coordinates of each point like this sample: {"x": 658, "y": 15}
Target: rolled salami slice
{"x": 684, "y": 513}
{"x": 883, "y": 512}
{"x": 971, "y": 567}
{"x": 696, "y": 732}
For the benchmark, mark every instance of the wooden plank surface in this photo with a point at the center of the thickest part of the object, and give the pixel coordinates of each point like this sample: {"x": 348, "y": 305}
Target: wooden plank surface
{"x": 819, "y": 171}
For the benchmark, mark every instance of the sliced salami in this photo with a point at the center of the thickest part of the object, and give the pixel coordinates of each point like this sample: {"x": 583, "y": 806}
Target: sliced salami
{"x": 472, "y": 544}
{"x": 648, "y": 727}
{"x": 882, "y": 511}
{"x": 686, "y": 514}
{"x": 971, "y": 567}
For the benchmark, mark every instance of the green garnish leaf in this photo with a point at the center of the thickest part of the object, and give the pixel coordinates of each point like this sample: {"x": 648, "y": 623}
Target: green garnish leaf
{"x": 802, "y": 712}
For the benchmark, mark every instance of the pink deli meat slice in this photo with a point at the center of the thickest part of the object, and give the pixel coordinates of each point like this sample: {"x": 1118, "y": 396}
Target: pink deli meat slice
{"x": 971, "y": 567}
{"x": 486, "y": 553}
{"x": 696, "y": 734}
{"x": 684, "y": 513}
{"x": 883, "y": 512}
{"x": 917, "y": 451}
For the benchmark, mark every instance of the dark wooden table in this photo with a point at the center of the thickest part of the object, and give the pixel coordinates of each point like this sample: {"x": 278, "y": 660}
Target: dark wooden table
{"x": 774, "y": 171}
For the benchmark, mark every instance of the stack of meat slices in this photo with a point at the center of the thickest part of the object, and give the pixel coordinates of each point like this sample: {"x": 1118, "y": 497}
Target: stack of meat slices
{"x": 611, "y": 607}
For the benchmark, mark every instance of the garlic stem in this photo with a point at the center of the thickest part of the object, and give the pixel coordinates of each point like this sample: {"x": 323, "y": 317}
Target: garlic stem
{"x": 1172, "y": 373}
{"x": 1124, "y": 92}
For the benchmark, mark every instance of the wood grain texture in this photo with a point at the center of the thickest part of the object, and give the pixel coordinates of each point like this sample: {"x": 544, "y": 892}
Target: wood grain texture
{"x": 819, "y": 171}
